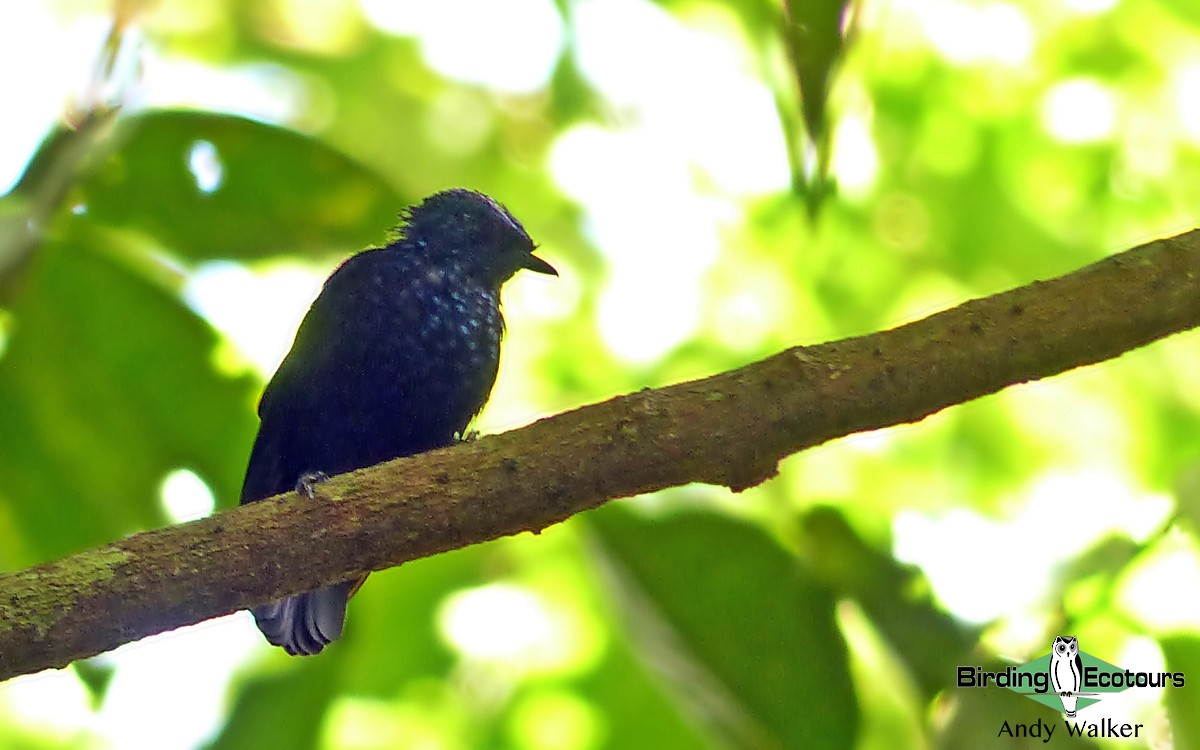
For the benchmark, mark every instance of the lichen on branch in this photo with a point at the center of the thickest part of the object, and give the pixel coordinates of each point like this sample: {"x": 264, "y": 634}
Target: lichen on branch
{"x": 729, "y": 429}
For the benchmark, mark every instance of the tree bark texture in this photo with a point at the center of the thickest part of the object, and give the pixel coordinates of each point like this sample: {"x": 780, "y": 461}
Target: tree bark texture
{"x": 730, "y": 429}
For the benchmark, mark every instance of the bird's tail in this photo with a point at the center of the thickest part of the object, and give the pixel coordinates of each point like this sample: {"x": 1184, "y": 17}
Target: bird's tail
{"x": 305, "y": 623}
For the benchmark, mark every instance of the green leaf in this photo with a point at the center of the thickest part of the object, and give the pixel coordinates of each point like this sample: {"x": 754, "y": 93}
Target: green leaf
{"x": 391, "y": 641}
{"x": 283, "y": 709}
{"x": 979, "y": 716}
{"x": 1182, "y": 654}
{"x": 1186, "y": 10}
{"x": 638, "y": 711}
{"x": 816, "y": 45}
{"x": 17, "y": 237}
{"x": 106, "y": 385}
{"x": 217, "y": 186}
{"x": 96, "y": 676}
{"x": 816, "y": 42}
{"x": 393, "y": 621}
{"x": 896, "y": 598}
{"x": 742, "y": 635}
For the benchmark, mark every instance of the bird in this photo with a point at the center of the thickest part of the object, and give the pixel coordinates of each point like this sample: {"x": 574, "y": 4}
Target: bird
{"x": 396, "y": 355}
{"x": 1066, "y": 671}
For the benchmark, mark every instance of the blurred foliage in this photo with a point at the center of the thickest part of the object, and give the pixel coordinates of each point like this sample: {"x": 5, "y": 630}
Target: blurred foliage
{"x": 970, "y": 147}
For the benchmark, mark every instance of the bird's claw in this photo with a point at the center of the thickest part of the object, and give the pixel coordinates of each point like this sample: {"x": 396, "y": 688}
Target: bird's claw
{"x": 306, "y": 485}
{"x": 468, "y": 436}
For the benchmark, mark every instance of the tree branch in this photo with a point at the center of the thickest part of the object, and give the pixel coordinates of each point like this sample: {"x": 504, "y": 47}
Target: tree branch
{"x": 729, "y": 429}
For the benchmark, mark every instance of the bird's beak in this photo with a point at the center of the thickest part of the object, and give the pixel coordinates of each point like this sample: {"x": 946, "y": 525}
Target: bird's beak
{"x": 534, "y": 263}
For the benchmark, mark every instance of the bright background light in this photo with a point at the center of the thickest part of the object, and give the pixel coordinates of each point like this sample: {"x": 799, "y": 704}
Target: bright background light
{"x": 693, "y": 257}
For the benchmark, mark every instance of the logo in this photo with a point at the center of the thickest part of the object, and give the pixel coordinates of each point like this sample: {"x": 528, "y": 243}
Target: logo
{"x": 1067, "y": 680}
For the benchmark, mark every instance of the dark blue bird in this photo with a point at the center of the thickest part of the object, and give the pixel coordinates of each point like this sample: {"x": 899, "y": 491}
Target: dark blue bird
{"x": 396, "y": 355}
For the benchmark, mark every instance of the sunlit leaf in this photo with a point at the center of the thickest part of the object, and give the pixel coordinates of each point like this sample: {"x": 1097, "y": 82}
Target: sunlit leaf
{"x": 1182, "y": 652}
{"x": 930, "y": 642}
{"x": 107, "y": 384}
{"x": 392, "y": 629}
{"x": 217, "y": 186}
{"x": 637, "y": 709}
{"x": 816, "y": 44}
{"x": 978, "y": 719}
{"x": 739, "y": 631}
{"x": 282, "y": 709}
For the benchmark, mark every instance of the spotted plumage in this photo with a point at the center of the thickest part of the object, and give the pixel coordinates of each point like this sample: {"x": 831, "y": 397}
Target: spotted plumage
{"x": 396, "y": 355}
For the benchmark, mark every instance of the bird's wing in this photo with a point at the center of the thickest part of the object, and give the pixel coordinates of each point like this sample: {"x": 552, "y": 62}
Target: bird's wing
{"x": 288, "y": 406}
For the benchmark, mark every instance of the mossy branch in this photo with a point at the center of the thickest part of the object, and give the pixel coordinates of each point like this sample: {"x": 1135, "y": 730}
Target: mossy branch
{"x": 729, "y": 429}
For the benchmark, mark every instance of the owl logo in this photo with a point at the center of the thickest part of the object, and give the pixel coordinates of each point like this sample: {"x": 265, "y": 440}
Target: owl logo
{"x": 1066, "y": 671}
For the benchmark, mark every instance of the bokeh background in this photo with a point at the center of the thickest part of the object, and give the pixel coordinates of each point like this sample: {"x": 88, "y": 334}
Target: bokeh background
{"x": 181, "y": 175}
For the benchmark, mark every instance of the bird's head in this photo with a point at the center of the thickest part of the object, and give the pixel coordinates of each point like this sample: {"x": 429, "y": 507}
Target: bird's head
{"x": 470, "y": 230}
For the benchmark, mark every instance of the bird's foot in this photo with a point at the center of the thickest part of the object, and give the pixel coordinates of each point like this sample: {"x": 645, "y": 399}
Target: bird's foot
{"x": 307, "y": 483}
{"x": 469, "y": 436}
